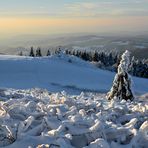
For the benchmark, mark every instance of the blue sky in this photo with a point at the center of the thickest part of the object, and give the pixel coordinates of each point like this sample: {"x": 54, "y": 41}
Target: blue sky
{"x": 68, "y": 16}
{"x": 74, "y": 8}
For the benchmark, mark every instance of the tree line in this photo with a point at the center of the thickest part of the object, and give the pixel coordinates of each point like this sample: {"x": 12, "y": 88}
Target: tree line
{"x": 111, "y": 60}
{"x": 102, "y": 59}
{"x": 38, "y": 52}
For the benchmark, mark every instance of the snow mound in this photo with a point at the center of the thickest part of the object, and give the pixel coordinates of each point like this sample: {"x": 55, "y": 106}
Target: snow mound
{"x": 37, "y": 118}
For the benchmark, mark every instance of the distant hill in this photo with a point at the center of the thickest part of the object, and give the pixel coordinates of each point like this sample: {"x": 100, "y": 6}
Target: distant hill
{"x": 138, "y": 45}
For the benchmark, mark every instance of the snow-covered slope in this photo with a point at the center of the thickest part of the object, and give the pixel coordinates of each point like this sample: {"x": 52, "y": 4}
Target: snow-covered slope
{"x": 58, "y": 73}
{"x": 37, "y": 118}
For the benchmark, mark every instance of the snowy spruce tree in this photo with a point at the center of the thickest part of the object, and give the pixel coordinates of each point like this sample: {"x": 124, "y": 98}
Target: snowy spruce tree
{"x": 121, "y": 88}
{"x": 48, "y": 53}
{"x": 38, "y": 52}
{"x": 31, "y": 52}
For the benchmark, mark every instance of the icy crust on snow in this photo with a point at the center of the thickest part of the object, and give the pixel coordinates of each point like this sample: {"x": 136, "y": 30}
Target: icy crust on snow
{"x": 36, "y": 118}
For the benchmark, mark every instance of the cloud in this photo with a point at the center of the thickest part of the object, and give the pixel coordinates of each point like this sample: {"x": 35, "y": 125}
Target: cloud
{"x": 101, "y": 8}
{"x": 107, "y": 8}
{"x": 80, "y": 6}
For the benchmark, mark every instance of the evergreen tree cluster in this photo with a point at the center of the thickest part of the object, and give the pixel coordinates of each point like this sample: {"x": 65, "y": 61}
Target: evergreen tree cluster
{"x": 111, "y": 60}
{"x": 38, "y": 52}
{"x": 139, "y": 68}
{"x": 103, "y": 60}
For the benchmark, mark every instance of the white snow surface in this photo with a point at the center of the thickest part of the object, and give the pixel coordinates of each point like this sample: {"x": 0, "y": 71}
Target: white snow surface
{"x": 49, "y": 117}
{"x": 57, "y": 73}
{"x": 36, "y": 118}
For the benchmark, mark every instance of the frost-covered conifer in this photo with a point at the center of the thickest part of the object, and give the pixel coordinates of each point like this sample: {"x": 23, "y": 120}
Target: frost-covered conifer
{"x": 121, "y": 88}
{"x": 31, "y": 52}
{"x": 48, "y": 53}
{"x": 132, "y": 66}
{"x": 38, "y": 52}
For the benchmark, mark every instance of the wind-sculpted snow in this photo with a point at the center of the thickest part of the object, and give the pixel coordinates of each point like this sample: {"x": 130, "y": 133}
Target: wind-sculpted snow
{"x": 36, "y": 118}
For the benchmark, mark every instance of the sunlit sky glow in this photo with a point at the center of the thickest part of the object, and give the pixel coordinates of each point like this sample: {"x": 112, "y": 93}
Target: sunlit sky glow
{"x": 71, "y": 16}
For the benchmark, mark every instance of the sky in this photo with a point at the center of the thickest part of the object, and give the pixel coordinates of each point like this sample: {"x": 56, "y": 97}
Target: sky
{"x": 18, "y": 17}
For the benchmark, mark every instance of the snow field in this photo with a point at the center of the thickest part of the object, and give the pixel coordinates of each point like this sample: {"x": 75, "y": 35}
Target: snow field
{"x": 37, "y": 118}
{"x": 57, "y": 73}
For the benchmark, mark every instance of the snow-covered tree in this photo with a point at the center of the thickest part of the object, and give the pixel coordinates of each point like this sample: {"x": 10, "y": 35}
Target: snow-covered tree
{"x": 20, "y": 53}
{"x": 121, "y": 88}
{"x": 38, "y": 52}
{"x": 132, "y": 66}
{"x": 48, "y": 53}
{"x": 31, "y": 52}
